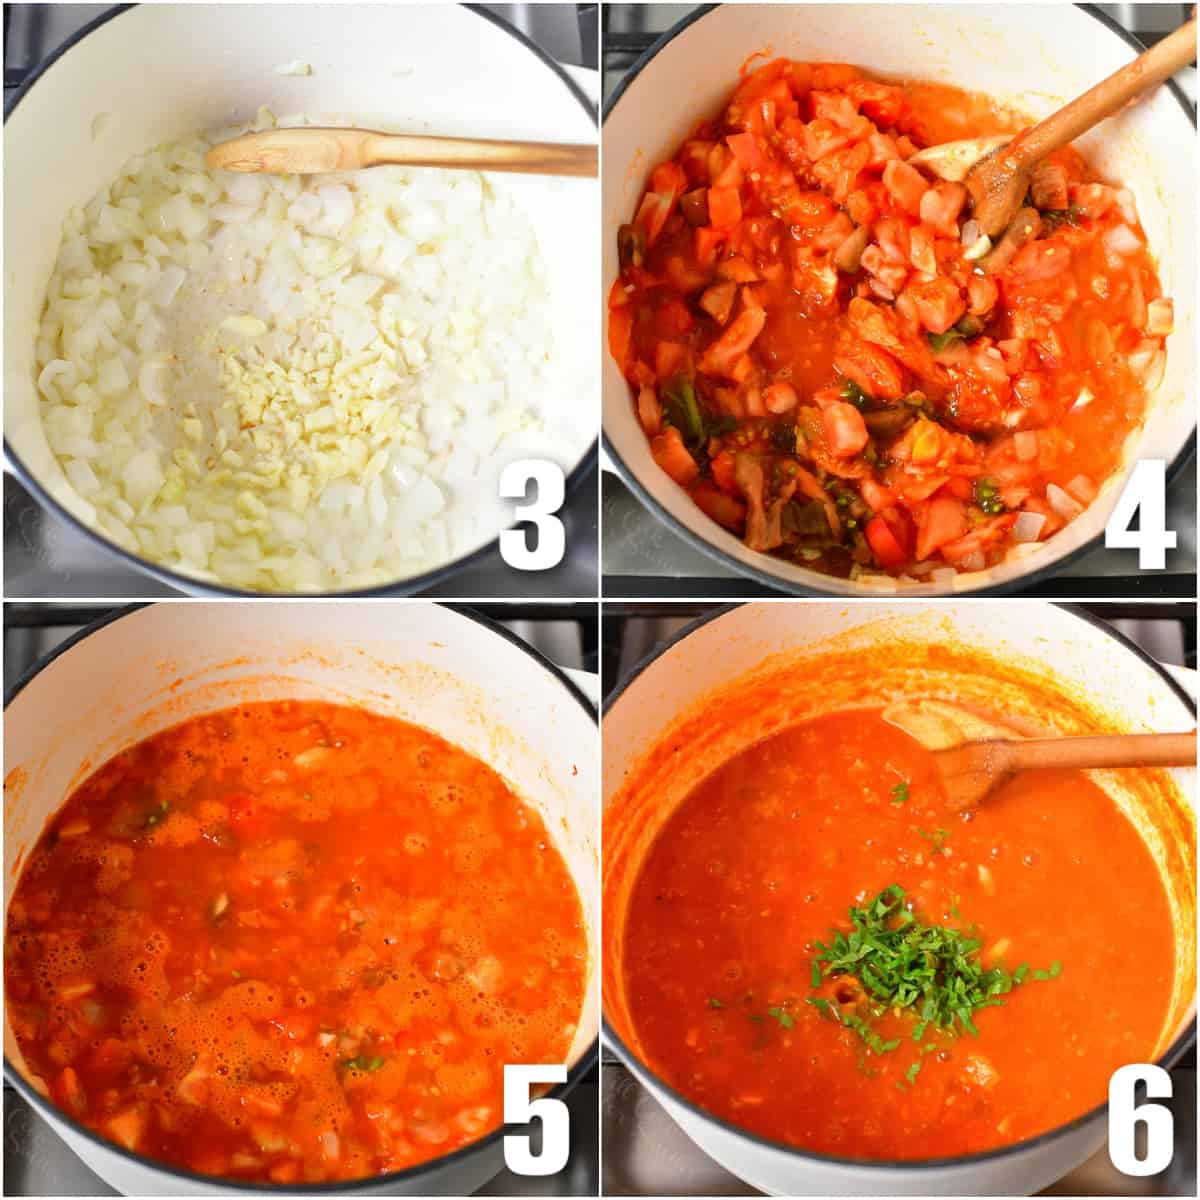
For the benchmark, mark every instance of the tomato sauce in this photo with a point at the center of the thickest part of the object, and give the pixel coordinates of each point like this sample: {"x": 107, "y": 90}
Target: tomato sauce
{"x": 292, "y": 942}
{"x": 760, "y": 863}
{"x": 839, "y": 369}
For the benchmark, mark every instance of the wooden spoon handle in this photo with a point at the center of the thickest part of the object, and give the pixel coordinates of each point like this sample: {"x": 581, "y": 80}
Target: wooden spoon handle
{"x": 531, "y": 158}
{"x": 1110, "y": 750}
{"x": 1160, "y": 62}
{"x": 311, "y": 150}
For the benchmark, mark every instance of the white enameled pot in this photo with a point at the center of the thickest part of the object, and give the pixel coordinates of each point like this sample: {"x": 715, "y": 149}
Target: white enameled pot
{"x": 160, "y": 72}
{"x": 666, "y": 697}
{"x": 126, "y": 678}
{"x": 1032, "y": 59}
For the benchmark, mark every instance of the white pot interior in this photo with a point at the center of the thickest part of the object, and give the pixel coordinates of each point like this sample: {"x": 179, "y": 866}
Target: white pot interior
{"x": 1029, "y": 59}
{"x": 1097, "y": 683}
{"x": 421, "y": 663}
{"x": 161, "y": 72}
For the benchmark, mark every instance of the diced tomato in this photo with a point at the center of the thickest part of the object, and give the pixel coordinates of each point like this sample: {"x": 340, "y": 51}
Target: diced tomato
{"x": 884, "y": 103}
{"x": 780, "y": 397}
{"x": 1039, "y": 260}
{"x": 875, "y": 495}
{"x": 620, "y": 335}
{"x": 724, "y": 207}
{"x": 939, "y": 303}
{"x": 921, "y": 252}
{"x": 731, "y": 175}
{"x": 982, "y": 294}
{"x": 872, "y": 368}
{"x": 722, "y": 472}
{"x": 737, "y": 269}
{"x": 673, "y": 317}
{"x": 746, "y": 150}
{"x": 942, "y": 520}
{"x": 718, "y": 300}
{"x": 724, "y": 509}
{"x": 823, "y": 137}
{"x": 673, "y": 457}
{"x": 884, "y": 544}
{"x": 845, "y": 430}
{"x": 906, "y": 185}
{"x": 649, "y": 411}
{"x": 682, "y": 277}
{"x": 669, "y": 179}
{"x": 707, "y": 242}
{"x": 652, "y": 215}
{"x": 861, "y": 208}
{"x": 811, "y": 210}
{"x": 721, "y": 357}
{"x": 941, "y": 204}
{"x": 668, "y": 359}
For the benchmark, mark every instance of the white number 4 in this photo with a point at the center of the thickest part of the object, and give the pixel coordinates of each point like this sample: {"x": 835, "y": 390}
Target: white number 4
{"x": 1124, "y": 1116}
{"x": 1144, "y": 494}
{"x": 550, "y": 538}
{"x": 520, "y": 1109}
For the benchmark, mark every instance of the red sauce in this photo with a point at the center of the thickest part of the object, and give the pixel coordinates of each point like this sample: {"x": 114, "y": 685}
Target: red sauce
{"x": 292, "y": 942}
{"x": 763, "y": 860}
{"x": 831, "y": 372}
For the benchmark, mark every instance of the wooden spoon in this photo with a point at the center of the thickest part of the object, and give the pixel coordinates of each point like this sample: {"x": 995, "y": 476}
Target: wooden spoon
{"x": 309, "y": 150}
{"x": 997, "y": 171}
{"x": 971, "y": 766}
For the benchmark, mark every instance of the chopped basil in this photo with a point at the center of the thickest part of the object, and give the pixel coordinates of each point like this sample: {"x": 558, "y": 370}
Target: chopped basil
{"x": 785, "y": 1018}
{"x": 900, "y": 793}
{"x": 362, "y": 1063}
{"x": 937, "y": 839}
{"x": 713, "y": 1002}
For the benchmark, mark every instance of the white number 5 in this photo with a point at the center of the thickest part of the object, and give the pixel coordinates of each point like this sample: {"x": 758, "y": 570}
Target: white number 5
{"x": 550, "y": 539}
{"x": 1124, "y": 1116}
{"x": 519, "y": 1109}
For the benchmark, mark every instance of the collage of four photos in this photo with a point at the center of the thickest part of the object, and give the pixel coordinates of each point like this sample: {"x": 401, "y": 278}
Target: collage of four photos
{"x": 600, "y": 599}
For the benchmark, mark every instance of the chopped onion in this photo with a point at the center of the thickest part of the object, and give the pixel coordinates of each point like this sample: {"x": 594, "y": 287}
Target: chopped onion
{"x": 1028, "y": 527}
{"x": 1082, "y": 489}
{"x": 1064, "y": 505}
{"x": 294, "y": 68}
{"x": 1025, "y": 445}
{"x": 943, "y": 577}
{"x": 970, "y": 232}
{"x": 1160, "y": 317}
{"x": 972, "y": 562}
{"x": 1120, "y": 239}
{"x": 978, "y": 248}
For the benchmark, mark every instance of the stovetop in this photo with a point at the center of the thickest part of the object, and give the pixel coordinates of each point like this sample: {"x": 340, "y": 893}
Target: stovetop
{"x": 38, "y": 1163}
{"x": 43, "y": 556}
{"x": 644, "y": 558}
{"x": 647, "y": 1154}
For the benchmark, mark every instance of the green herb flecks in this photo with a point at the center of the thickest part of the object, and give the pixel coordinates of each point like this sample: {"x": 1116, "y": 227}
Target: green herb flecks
{"x": 713, "y": 1002}
{"x": 937, "y": 839}
{"x": 900, "y": 793}
{"x": 987, "y": 496}
{"x": 362, "y": 1062}
{"x": 931, "y": 972}
{"x": 785, "y": 1018}
{"x": 683, "y": 410}
{"x": 156, "y": 816}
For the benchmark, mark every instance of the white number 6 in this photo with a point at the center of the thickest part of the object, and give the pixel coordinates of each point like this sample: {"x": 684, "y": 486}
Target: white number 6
{"x": 550, "y": 539}
{"x": 1124, "y": 1116}
{"x": 519, "y": 1109}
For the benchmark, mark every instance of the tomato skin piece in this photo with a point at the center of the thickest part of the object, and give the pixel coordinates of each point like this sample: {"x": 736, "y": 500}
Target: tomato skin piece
{"x": 724, "y": 207}
{"x": 884, "y": 544}
{"x": 673, "y": 457}
{"x": 943, "y": 520}
{"x": 726, "y": 510}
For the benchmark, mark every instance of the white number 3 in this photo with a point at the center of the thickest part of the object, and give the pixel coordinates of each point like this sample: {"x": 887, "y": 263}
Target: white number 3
{"x": 549, "y": 536}
{"x": 1124, "y": 1116}
{"x": 1145, "y": 493}
{"x": 519, "y": 1109}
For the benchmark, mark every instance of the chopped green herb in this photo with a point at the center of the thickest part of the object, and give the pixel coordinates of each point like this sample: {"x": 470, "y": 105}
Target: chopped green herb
{"x": 236, "y": 974}
{"x": 900, "y": 793}
{"x": 816, "y": 974}
{"x": 932, "y": 972}
{"x": 785, "y": 1018}
{"x": 156, "y": 816}
{"x": 1054, "y": 972}
{"x": 683, "y": 410}
{"x": 913, "y": 1071}
{"x": 987, "y": 496}
{"x": 1056, "y": 219}
{"x": 713, "y": 1002}
{"x": 362, "y": 1063}
{"x": 937, "y": 839}
{"x": 1020, "y": 973}
{"x": 939, "y": 341}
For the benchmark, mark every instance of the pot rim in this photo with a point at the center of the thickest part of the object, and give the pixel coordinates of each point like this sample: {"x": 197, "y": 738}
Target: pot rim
{"x": 767, "y": 578}
{"x": 199, "y": 587}
{"x": 647, "y": 1076}
{"x": 367, "y": 1184}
